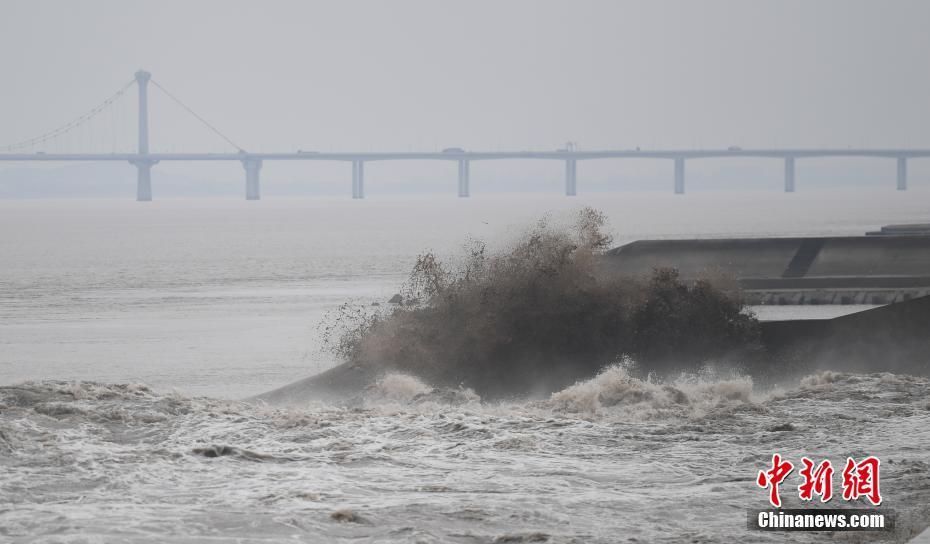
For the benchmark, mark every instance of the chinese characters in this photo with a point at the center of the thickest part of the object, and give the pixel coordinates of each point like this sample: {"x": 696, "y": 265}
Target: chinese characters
{"x": 859, "y": 479}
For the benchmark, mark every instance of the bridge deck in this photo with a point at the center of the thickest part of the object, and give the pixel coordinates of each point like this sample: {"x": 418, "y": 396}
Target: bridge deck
{"x": 476, "y": 155}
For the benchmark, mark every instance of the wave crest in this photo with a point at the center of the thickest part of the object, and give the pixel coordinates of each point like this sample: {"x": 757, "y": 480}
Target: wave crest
{"x": 615, "y": 391}
{"x": 397, "y": 387}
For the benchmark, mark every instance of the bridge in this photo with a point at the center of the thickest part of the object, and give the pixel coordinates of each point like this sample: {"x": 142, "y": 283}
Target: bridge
{"x": 252, "y": 163}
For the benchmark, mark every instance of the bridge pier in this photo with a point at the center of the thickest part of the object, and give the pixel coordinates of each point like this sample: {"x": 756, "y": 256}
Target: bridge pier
{"x": 902, "y": 173}
{"x": 571, "y": 177}
{"x": 143, "y": 179}
{"x": 252, "y": 180}
{"x": 464, "y": 191}
{"x": 143, "y": 166}
{"x": 789, "y": 174}
{"x": 358, "y": 179}
{"x": 679, "y": 175}
{"x": 142, "y": 82}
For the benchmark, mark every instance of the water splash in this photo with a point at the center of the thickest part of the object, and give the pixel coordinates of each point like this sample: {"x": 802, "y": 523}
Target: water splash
{"x": 615, "y": 392}
{"x": 407, "y": 466}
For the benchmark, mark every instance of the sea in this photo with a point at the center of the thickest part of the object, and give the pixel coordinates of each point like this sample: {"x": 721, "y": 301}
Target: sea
{"x": 132, "y": 335}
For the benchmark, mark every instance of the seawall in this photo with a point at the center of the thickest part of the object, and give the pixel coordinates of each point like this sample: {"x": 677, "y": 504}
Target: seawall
{"x": 817, "y": 270}
{"x": 893, "y": 338}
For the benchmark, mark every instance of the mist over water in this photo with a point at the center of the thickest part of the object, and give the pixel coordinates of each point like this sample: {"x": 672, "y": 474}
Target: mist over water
{"x": 167, "y": 374}
{"x": 223, "y": 297}
{"x": 139, "y": 323}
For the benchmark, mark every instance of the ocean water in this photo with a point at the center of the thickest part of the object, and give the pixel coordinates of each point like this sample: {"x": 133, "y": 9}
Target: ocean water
{"x": 610, "y": 460}
{"x": 176, "y": 308}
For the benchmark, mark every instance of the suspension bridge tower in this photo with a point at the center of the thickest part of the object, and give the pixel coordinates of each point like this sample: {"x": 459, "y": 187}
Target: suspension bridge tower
{"x": 143, "y": 164}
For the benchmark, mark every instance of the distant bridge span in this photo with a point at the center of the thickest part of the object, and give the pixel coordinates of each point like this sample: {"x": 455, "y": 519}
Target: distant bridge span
{"x": 252, "y": 162}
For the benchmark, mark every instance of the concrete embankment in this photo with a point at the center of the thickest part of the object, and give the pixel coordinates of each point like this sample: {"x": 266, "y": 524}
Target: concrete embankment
{"x": 821, "y": 270}
{"x": 337, "y": 384}
{"x": 893, "y": 338}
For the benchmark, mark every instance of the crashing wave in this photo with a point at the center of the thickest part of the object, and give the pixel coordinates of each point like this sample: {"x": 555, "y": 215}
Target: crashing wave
{"x": 405, "y": 389}
{"x": 615, "y": 391}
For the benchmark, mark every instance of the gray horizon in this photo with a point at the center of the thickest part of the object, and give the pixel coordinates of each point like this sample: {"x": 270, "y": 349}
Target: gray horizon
{"x": 419, "y": 75}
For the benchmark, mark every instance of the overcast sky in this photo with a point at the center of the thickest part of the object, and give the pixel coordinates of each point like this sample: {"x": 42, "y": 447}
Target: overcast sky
{"x": 495, "y": 74}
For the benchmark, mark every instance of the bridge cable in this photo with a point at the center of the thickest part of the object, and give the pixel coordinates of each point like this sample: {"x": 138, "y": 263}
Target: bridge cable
{"x": 199, "y": 118}
{"x": 71, "y": 125}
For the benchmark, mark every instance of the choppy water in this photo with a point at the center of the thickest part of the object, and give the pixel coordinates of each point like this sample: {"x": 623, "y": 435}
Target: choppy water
{"x": 205, "y": 300}
{"x": 610, "y": 460}
{"x": 222, "y": 297}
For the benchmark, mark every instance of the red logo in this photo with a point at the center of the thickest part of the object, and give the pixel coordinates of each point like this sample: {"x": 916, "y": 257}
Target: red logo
{"x": 816, "y": 481}
{"x": 774, "y": 476}
{"x": 859, "y": 479}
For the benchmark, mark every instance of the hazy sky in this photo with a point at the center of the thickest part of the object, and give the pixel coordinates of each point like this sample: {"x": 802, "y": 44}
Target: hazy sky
{"x": 479, "y": 74}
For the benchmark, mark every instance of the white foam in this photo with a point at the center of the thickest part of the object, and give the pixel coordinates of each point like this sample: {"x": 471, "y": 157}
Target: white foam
{"x": 398, "y": 388}
{"x": 615, "y": 392}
